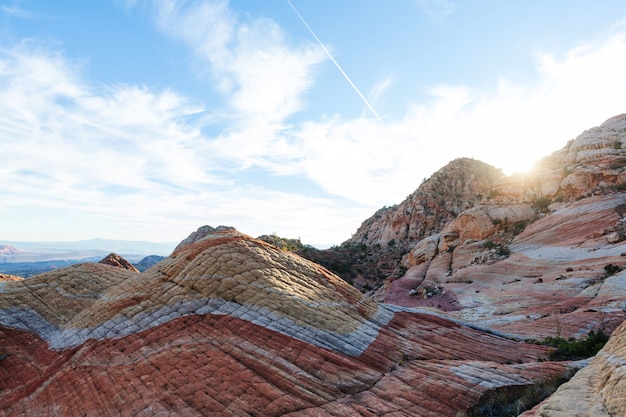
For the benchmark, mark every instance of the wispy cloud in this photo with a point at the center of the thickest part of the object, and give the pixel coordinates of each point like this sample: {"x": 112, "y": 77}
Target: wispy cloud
{"x": 437, "y": 10}
{"x": 509, "y": 125}
{"x": 67, "y": 144}
{"x": 332, "y": 58}
{"x": 249, "y": 61}
{"x": 19, "y": 12}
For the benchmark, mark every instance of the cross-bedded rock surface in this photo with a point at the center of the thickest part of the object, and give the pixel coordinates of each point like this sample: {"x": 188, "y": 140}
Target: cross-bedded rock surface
{"x": 562, "y": 276}
{"x": 230, "y": 325}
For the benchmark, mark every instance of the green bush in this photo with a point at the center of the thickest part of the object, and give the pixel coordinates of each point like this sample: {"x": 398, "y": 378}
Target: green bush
{"x": 576, "y": 349}
{"x": 503, "y": 251}
{"x": 541, "y": 204}
{"x": 489, "y": 244}
{"x": 620, "y": 187}
{"x": 611, "y": 269}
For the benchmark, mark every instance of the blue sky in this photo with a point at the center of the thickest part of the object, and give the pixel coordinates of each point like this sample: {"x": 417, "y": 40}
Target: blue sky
{"x": 143, "y": 120}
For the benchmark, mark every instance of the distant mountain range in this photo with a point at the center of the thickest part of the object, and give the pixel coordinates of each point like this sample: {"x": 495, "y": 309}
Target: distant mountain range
{"x": 122, "y": 247}
{"x": 29, "y": 258}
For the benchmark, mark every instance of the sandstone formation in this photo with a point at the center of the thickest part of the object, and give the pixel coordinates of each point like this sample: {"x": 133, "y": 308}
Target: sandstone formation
{"x": 114, "y": 259}
{"x": 458, "y": 186}
{"x": 7, "y": 250}
{"x": 530, "y": 255}
{"x": 592, "y": 163}
{"x": 230, "y": 325}
{"x": 8, "y": 277}
{"x": 469, "y": 201}
{"x": 535, "y": 255}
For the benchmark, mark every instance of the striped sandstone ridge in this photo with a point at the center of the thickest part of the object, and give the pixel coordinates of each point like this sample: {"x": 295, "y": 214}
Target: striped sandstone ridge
{"x": 229, "y": 325}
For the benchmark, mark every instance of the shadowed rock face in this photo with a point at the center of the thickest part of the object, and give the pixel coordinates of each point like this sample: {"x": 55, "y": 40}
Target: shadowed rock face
{"x": 229, "y": 325}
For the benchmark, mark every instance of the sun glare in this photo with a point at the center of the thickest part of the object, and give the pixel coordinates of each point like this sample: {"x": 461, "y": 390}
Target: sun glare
{"x": 521, "y": 166}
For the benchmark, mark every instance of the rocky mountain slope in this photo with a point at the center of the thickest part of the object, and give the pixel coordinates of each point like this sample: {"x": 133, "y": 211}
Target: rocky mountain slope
{"x": 479, "y": 202}
{"x": 230, "y": 325}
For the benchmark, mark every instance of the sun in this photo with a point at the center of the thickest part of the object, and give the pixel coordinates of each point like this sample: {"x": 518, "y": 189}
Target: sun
{"x": 518, "y": 161}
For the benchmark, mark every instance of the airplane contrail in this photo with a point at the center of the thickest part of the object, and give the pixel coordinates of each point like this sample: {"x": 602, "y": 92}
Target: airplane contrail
{"x": 369, "y": 106}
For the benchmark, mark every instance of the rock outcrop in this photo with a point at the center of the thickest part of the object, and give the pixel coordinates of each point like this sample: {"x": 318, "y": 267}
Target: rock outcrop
{"x": 468, "y": 201}
{"x": 593, "y": 163}
{"x": 9, "y": 277}
{"x": 116, "y": 260}
{"x": 8, "y": 250}
{"x": 458, "y": 186}
{"x": 230, "y": 325}
{"x": 374, "y": 252}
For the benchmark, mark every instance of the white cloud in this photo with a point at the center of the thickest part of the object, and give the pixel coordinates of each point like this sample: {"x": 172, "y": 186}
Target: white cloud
{"x": 509, "y": 126}
{"x": 64, "y": 144}
{"x": 250, "y": 62}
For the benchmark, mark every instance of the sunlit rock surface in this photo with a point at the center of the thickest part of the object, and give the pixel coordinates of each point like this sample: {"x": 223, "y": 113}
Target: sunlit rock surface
{"x": 541, "y": 254}
{"x": 229, "y": 325}
{"x": 8, "y": 277}
{"x": 553, "y": 280}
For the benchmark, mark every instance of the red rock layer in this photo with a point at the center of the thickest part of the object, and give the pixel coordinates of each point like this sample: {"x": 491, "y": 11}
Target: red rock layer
{"x": 218, "y": 365}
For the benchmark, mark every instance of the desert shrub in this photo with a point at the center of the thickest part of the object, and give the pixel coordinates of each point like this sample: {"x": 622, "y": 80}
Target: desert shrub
{"x": 619, "y": 164}
{"x": 620, "y": 187}
{"x": 571, "y": 349}
{"x": 541, "y": 204}
{"x": 503, "y": 251}
{"x": 519, "y": 227}
{"x": 611, "y": 269}
{"x": 489, "y": 244}
{"x": 511, "y": 401}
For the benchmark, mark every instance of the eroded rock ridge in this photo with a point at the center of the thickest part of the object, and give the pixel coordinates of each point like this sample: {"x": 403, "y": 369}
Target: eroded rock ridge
{"x": 230, "y": 325}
